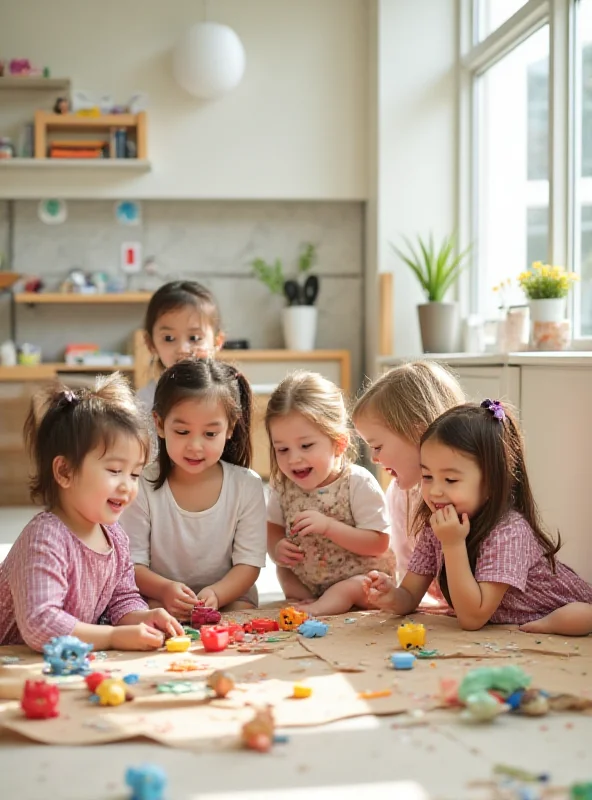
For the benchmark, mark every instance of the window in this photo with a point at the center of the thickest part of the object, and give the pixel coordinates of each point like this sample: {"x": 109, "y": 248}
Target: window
{"x": 512, "y": 167}
{"x": 490, "y": 14}
{"x": 582, "y": 216}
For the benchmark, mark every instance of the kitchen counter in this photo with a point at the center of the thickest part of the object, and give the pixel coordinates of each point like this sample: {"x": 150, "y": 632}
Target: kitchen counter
{"x": 567, "y": 358}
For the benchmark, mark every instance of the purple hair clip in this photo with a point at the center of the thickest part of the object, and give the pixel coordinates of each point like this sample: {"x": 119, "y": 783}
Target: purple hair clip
{"x": 496, "y": 409}
{"x": 69, "y": 397}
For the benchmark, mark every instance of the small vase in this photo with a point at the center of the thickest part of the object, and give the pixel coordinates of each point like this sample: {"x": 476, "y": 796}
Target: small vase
{"x": 549, "y": 327}
{"x": 439, "y": 326}
{"x": 300, "y": 327}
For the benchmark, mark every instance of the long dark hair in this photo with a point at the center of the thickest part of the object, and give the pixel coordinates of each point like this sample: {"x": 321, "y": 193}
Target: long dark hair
{"x": 72, "y": 422}
{"x": 206, "y": 379}
{"x": 497, "y": 446}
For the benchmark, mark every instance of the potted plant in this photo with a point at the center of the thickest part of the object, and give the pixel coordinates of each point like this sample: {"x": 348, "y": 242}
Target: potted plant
{"x": 299, "y": 317}
{"x": 436, "y": 269}
{"x": 546, "y": 288}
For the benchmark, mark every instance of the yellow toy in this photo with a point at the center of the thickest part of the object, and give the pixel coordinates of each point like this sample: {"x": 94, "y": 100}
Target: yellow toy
{"x": 290, "y": 619}
{"x": 300, "y": 691}
{"x": 111, "y": 692}
{"x": 410, "y": 635}
{"x": 178, "y": 644}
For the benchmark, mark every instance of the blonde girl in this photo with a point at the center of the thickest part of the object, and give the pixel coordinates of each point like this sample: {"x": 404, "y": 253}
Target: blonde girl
{"x": 391, "y": 416}
{"x": 197, "y": 528}
{"x": 326, "y": 517}
{"x": 71, "y": 564}
{"x": 182, "y": 321}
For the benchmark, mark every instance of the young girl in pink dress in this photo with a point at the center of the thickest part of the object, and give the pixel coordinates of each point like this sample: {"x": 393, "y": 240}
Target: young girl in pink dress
{"x": 71, "y": 564}
{"x": 391, "y": 417}
{"x": 479, "y": 533}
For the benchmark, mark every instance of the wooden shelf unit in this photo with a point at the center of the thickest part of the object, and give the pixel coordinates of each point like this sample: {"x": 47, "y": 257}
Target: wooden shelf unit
{"x": 20, "y": 82}
{"x": 67, "y": 298}
{"x": 46, "y": 123}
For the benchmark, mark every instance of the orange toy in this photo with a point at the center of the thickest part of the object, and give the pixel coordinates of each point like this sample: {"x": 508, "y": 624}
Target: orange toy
{"x": 257, "y": 734}
{"x": 290, "y": 619}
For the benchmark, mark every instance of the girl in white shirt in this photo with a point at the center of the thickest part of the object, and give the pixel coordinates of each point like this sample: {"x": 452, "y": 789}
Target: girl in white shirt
{"x": 326, "y": 519}
{"x": 197, "y": 527}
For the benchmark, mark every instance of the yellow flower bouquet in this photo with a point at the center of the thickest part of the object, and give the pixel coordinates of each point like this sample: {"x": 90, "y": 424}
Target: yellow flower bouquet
{"x": 546, "y": 282}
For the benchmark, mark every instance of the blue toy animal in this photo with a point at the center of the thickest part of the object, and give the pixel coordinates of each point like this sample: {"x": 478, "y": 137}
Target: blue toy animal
{"x": 147, "y": 782}
{"x": 67, "y": 655}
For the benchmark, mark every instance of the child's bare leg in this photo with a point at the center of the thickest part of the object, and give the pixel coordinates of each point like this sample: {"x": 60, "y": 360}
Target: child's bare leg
{"x": 574, "y": 619}
{"x": 292, "y": 587}
{"x": 239, "y": 605}
{"x": 339, "y": 598}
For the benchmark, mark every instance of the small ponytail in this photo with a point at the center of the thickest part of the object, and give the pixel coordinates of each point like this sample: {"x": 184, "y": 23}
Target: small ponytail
{"x": 238, "y": 448}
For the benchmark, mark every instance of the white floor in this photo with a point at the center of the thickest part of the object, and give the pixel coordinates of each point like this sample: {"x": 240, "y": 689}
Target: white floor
{"x": 373, "y": 757}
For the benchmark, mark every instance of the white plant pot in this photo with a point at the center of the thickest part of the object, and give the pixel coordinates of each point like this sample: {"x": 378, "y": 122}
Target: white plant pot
{"x": 300, "y": 327}
{"x": 551, "y": 309}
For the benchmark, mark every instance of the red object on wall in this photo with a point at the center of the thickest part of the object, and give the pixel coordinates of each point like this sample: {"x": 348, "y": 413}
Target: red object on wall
{"x": 40, "y": 700}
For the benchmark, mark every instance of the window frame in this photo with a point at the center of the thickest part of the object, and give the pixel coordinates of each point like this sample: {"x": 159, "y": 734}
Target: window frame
{"x": 474, "y": 60}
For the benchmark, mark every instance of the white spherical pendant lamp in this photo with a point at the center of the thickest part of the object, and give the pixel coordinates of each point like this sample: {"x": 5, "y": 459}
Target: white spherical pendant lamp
{"x": 209, "y": 60}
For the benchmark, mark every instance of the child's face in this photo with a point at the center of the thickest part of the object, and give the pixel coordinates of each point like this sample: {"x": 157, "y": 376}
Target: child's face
{"x": 195, "y": 433}
{"x": 183, "y": 333}
{"x": 107, "y": 481}
{"x": 450, "y": 477}
{"x": 305, "y": 455}
{"x": 397, "y": 455}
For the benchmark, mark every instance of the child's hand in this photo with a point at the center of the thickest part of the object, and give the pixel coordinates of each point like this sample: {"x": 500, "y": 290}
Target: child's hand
{"x": 447, "y": 527}
{"x": 209, "y": 597}
{"x": 379, "y": 589}
{"x": 287, "y": 554}
{"x": 160, "y": 619}
{"x": 136, "y": 637}
{"x": 179, "y": 600}
{"x": 311, "y": 522}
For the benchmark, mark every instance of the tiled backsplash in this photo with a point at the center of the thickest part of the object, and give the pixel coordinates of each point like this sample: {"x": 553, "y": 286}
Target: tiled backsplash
{"x": 213, "y": 242}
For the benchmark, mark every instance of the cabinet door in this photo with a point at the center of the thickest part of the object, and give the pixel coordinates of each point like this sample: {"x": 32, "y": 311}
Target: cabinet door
{"x": 497, "y": 383}
{"x": 556, "y": 405}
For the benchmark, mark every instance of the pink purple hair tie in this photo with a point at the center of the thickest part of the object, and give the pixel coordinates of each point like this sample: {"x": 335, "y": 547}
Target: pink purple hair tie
{"x": 496, "y": 409}
{"x": 69, "y": 397}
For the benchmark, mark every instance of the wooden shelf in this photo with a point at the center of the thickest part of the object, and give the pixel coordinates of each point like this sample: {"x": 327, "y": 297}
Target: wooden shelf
{"x": 35, "y": 298}
{"x": 47, "y": 371}
{"x": 46, "y": 123}
{"x": 24, "y": 82}
{"x": 140, "y": 164}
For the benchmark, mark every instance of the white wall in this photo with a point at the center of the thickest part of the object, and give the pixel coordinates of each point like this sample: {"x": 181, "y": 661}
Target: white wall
{"x": 412, "y": 183}
{"x": 294, "y": 128}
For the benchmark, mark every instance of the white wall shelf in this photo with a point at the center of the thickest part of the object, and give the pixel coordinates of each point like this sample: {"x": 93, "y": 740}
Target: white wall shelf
{"x": 139, "y": 164}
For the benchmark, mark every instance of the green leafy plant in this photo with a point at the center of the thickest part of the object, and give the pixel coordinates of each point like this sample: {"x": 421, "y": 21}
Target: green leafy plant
{"x": 435, "y": 269}
{"x": 272, "y": 274}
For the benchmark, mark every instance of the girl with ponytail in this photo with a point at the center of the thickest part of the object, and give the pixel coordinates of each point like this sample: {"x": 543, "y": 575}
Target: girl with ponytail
{"x": 197, "y": 528}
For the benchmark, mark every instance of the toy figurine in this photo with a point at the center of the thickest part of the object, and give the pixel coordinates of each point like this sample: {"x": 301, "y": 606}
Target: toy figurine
{"x": 257, "y": 734}
{"x": 214, "y": 638}
{"x": 411, "y": 635}
{"x": 147, "y": 782}
{"x": 67, "y": 655}
{"x": 111, "y": 692}
{"x": 61, "y": 106}
{"x": 290, "y": 619}
{"x": 40, "y": 700}
{"x": 312, "y": 628}
{"x": 221, "y": 682}
{"x": 204, "y": 616}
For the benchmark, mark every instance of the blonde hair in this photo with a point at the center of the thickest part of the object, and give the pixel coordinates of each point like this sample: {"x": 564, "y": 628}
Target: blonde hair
{"x": 318, "y": 400}
{"x": 408, "y": 398}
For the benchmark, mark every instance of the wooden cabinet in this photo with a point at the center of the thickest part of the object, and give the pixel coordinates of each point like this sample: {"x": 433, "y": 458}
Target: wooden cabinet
{"x": 497, "y": 383}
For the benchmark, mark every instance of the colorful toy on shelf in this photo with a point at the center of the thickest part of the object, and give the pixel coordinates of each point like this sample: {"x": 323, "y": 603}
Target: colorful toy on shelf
{"x": 147, "y": 782}
{"x": 403, "y": 660}
{"x": 178, "y": 644}
{"x": 61, "y": 106}
{"x": 260, "y": 625}
{"x": 67, "y": 655}
{"x": 257, "y": 734}
{"x": 40, "y": 700}
{"x": 411, "y": 635}
{"x": 221, "y": 683}
{"x": 312, "y": 628}
{"x": 215, "y": 638}
{"x": 204, "y": 616}
{"x": 111, "y": 692}
{"x": 291, "y": 619}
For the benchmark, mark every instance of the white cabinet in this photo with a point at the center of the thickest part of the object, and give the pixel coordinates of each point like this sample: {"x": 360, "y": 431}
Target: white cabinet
{"x": 496, "y": 383}
{"x": 556, "y": 420}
